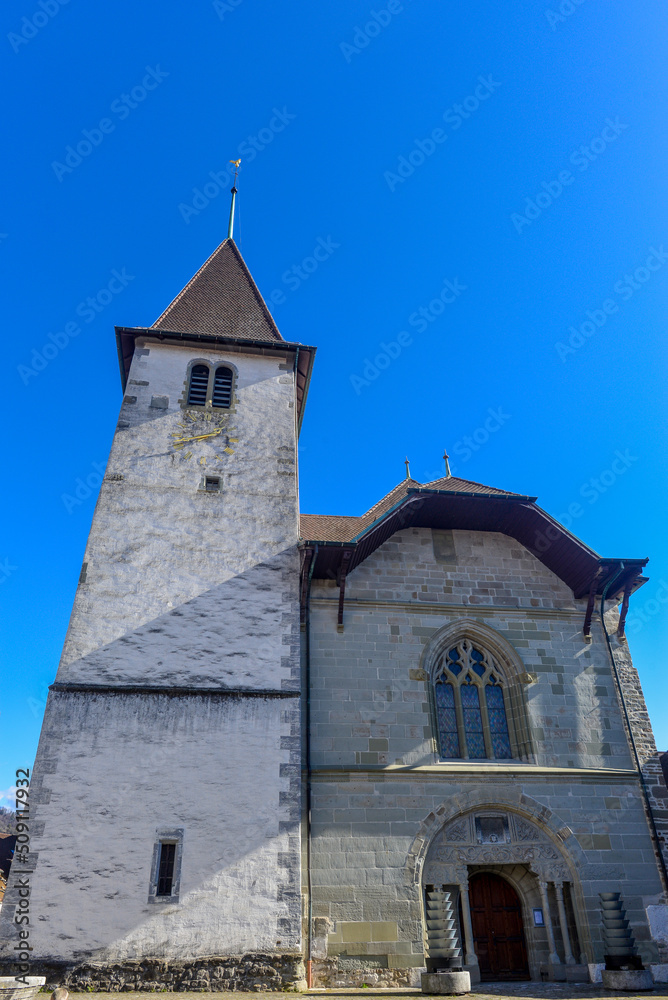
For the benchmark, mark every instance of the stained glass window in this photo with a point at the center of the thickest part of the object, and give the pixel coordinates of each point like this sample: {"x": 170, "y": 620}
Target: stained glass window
{"x": 447, "y": 720}
{"x": 469, "y": 726}
{"x": 454, "y": 664}
{"x": 478, "y": 664}
{"x": 498, "y": 724}
{"x": 475, "y": 740}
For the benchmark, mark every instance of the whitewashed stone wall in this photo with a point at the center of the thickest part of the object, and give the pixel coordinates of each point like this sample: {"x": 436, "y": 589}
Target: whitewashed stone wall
{"x": 158, "y": 543}
{"x": 193, "y": 593}
{"x": 116, "y": 769}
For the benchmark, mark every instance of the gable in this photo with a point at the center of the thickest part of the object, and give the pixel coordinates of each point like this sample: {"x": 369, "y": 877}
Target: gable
{"x": 475, "y": 568}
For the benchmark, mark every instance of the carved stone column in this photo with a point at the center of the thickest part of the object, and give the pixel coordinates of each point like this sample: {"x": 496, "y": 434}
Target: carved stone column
{"x": 554, "y": 958}
{"x": 470, "y": 957}
{"x": 563, "y": 923}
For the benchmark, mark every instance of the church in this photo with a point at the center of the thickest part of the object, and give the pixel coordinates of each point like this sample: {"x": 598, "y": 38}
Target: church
{"x": 279, "y": 746}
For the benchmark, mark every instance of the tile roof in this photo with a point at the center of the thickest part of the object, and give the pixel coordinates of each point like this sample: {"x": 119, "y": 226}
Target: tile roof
{"x": 222, "y": 300}
{"x": 339, "y": 528}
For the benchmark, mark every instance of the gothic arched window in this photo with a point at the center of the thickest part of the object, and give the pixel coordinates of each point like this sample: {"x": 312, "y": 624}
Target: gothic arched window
{"x": 470, "y": 704}
{"x": 222, "y": 388}
{"x": 199, "y": 385}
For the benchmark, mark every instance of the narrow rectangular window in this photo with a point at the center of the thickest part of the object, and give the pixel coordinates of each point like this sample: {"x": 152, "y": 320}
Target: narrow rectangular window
{"x": 165, "y": 883}
{"x": 166, "y": 869}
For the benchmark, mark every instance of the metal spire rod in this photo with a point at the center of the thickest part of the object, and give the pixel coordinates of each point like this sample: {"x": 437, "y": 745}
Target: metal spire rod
{"x": 408, "y": 468}
{"x": 446, "y": 459}
{"x": 230, "y": 226}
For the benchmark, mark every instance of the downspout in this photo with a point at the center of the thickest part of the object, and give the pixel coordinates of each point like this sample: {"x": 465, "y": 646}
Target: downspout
{"x": 307, "y": 747}
{"x": 620, "y": 690}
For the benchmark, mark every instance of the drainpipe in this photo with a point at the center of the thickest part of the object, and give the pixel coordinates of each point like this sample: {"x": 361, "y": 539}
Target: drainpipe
{"x": 620, "y": 690}
{"x": 307, "y": 741}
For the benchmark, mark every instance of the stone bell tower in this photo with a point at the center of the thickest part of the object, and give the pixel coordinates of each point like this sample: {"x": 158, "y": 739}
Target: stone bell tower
{"x": 166, "y": 789}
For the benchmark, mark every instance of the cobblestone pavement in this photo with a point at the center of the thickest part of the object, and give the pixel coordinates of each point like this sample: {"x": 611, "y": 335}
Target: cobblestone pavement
{"x": 484, "y": 991}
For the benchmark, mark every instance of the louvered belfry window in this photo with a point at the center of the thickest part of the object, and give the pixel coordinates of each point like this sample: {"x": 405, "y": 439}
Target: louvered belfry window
{"x": 166, "y": 869}
{"x": 199, "y": 384}
{"x": 222, "y": 388}
{"x": 470, "y": 705}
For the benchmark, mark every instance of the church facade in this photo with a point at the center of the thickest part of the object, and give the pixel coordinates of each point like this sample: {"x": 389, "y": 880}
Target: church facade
{"x": 275, "y": 740}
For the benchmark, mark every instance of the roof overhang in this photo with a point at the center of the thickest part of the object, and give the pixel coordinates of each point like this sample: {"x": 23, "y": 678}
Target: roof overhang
{"x": 303, "y": 355}
{"x": 516, "y": 516}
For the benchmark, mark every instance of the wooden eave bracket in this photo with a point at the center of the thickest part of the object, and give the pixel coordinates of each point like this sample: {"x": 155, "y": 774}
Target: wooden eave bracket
{"x": 625, "y": 607}
{"x": 586, "y": 628}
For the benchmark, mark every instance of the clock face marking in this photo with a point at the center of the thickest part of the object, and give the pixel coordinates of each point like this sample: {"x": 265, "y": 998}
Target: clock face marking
{"x": 203, "y": 434}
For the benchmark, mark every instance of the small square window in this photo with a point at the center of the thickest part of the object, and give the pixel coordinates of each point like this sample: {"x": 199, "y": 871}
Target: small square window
{"x": 211, "y": 484}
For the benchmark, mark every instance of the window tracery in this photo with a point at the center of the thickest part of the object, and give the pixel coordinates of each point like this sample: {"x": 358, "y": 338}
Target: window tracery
{"x": 471, "y": 712}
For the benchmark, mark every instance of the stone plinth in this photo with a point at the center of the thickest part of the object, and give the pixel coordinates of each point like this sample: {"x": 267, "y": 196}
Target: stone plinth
{"x": 632, "y": 980}
{"x": 446, "y": 982}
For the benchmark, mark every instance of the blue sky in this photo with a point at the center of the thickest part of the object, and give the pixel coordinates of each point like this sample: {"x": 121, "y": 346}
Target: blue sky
{"x": 516, "y": 152}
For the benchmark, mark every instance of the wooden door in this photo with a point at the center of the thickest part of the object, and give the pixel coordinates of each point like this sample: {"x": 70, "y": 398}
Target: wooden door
{"x": 498, "y": 933}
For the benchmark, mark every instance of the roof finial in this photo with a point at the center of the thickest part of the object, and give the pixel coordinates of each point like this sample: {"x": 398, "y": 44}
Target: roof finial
{"x": 408, "y": 468}
{"x": 446, "y": 459}
{"x": 230, "y": 225}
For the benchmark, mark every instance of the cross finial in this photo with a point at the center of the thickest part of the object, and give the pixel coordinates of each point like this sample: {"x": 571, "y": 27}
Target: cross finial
{"x": 408, "y": 468}
{"x": 230, "y": 225}
{"x": 446, "y": 459}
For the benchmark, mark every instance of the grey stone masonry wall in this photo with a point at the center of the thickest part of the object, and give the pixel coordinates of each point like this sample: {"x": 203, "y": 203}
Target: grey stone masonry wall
{"x": 365, "y": 826}
{"x": 370, "y": 702}
{"x": 379, "y": 785}
{"x": 639, "y": 731}
{"x": 481, "y": 568}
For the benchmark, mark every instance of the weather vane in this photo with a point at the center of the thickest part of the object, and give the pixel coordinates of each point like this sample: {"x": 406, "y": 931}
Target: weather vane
{"x": 230, "y": 226}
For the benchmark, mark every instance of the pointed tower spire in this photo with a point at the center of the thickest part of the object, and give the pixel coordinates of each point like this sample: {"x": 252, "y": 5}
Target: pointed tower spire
{"x": 446, "y": 459}
{"x": 230, "y": 225}
{"x": 408, "y": 468}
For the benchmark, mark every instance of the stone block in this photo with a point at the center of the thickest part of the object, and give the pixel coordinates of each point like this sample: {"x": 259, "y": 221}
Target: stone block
{"x": 355, "y": 931}
{"x": 385, "y": 930}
